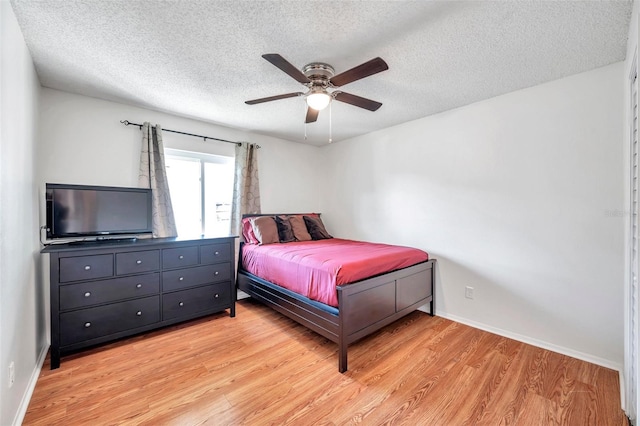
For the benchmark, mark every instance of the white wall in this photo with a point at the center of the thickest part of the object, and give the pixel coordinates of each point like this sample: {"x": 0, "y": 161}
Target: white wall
{"x": 83, "y": 142}
{"x": 22, "y": 330}
{"x": 519, "y": 196}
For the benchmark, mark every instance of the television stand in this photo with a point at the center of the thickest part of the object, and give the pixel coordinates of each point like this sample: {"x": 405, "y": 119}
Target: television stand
{"x": 110, "y": 289}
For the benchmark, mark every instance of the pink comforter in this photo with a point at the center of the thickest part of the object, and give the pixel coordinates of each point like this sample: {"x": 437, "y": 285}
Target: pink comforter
{"x": 314, "y": 268}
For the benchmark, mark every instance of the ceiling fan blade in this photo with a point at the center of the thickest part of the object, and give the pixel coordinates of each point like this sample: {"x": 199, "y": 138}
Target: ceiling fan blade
{"x": 357, "y": 101}
{"x": 312, "y": 115}
{"x": 374, "y": 66}
{"x": 286, "y": 66}
{"x": 273, "y": 98}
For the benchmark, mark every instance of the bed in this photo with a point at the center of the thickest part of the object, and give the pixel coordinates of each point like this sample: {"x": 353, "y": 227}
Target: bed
{"x": 359, "y": 307}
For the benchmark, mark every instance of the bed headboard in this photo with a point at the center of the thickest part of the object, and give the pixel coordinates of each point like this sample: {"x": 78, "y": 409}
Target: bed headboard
{"x": 249, "y": 215}
{"x": 275, "y": 214}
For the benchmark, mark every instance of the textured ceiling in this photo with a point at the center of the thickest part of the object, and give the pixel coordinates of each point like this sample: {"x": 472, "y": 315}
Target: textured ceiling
{"x": 202, "y": 59}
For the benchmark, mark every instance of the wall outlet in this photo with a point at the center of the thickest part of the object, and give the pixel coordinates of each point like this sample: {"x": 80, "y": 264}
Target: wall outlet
{"x": 468, "y": 292}
{"x": 12, "y": 374}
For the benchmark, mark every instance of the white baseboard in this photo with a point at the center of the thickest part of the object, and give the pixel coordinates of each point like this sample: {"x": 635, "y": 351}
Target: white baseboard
{"x": 623, "y": 396}
{"x": 33, "y": 380}
{"x": 535, "y": 342}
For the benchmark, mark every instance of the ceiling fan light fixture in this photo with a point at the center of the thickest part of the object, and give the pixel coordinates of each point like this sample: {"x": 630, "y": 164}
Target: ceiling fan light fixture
{"x": 318, "y": 100}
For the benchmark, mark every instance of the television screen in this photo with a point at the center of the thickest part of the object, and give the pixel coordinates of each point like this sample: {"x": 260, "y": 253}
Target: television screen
{"x": 80, "y": 210}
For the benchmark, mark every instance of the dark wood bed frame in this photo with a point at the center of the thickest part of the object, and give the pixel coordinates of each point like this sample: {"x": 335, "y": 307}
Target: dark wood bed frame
{"x": 363, "y": 307}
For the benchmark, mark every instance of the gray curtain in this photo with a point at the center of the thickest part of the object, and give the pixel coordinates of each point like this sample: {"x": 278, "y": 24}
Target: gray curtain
{"x": 153, "y": 175}
{"x": 246, "y": 188}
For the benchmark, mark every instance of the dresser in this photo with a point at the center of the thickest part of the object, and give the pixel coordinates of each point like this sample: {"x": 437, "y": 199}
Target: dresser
{"x": 103, "y": 291}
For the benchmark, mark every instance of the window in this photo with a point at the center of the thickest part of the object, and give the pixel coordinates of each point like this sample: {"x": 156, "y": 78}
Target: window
{"x": 201, "y": 188}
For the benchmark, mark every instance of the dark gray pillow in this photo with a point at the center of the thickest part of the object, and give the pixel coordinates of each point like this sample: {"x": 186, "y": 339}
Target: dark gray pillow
{"x": 285, "y": 231}
{"x": 316, "y": 228}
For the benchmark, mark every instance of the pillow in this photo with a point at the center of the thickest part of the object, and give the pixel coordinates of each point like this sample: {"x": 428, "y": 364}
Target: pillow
{"x": 265, "y": 229}
{"x": 299, "y": 228}
{"x": 316, "y": 228}
{"x": 247, "y": 232}
{"x": 285, "y": 232}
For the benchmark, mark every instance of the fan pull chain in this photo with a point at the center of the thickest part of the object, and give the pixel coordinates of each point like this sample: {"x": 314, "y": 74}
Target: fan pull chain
{"x": 330, "y": 124}
{"x": 305, "y": 121}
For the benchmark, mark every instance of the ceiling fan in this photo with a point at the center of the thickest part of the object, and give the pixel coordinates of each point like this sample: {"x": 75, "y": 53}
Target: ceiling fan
{"x": 319, "y": 77}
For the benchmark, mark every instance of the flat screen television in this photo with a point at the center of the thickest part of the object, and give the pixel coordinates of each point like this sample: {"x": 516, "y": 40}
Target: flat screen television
{"x": 97, "y": 211}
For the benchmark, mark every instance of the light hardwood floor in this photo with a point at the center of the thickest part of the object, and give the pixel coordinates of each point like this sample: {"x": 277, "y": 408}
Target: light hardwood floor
{"x": 261, "y": 368}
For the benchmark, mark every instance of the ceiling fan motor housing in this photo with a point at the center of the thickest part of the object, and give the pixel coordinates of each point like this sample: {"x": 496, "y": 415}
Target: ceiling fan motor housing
{"x": 319, "y": 73}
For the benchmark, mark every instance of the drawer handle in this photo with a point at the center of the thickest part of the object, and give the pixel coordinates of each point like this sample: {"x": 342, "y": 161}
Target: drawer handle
{"x": 138, "y": 285}
{"x": 181, "y": 279}
{"x": 216, "y": 296}
{"x": 216, "y": 253}
{"x": 87, "y": 324}
{"x": 86, "y": 268}
{"x": 181, "y": 304}
{"x": 181, "y": 257}
{"x": 216, "y": 273}
{"x": 138, "y": 262}
{"x": 139, "y": 313}
{"x": 87, "y": 294}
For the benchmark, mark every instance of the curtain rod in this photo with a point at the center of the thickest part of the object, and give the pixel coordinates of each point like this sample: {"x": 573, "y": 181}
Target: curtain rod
{"x": 127, "y": 122}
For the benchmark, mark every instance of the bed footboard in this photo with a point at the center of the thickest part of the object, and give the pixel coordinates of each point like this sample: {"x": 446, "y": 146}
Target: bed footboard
{"x": 363, "y": 307}
{"x": 369, "y": 305}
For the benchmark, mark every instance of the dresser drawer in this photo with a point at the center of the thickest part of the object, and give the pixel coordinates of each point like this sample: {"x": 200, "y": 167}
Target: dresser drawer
{"x": 93, "y": 293}
{"x": 188, "y": 302}
{"x": 91, "y": 323}
{"x": 137, "y": 261}
{"x": 179, "y": 257}
{"x": 81, "y": 268}
{"x": 213, "y": 253}
{"x": 183, "y": 278}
